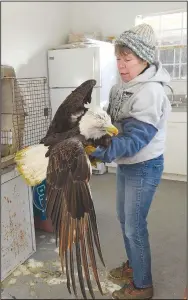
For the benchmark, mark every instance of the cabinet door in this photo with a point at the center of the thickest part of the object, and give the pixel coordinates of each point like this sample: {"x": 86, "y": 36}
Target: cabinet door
{"x": 176, "y": 149}
{"x": 17, "y": 226}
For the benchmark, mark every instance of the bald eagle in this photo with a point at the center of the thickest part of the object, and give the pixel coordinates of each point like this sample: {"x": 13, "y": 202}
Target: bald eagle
{"x": 67, "y": 169}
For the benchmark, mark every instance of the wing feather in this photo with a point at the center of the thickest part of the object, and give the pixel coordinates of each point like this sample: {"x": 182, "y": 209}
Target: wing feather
{"x": 92, "y": 254}
{"x": 85, "y": 259}
{"x": 78, "y": 258}
{"x": 66, "y": 253}
{"x": 71, "y": 209}
{"x": 72, "y": 228}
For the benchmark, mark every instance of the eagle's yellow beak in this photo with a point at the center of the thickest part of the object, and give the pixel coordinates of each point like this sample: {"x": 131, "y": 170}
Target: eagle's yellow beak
{"x": 112, "y": 130}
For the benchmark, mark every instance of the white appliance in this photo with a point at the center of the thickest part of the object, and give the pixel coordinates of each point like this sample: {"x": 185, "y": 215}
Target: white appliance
{"x": 68, "y": 68}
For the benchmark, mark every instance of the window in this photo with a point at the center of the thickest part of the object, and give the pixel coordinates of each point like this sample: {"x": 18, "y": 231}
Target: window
{"x": 171, "y": 32}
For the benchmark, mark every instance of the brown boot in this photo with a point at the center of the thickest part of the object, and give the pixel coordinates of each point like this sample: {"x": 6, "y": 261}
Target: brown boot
{"x": 129, "y": 291}
{"x": 121, "y": 275}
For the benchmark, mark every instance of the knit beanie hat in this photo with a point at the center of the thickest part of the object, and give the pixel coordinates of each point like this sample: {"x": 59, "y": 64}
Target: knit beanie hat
{"x": 141, "y": 40}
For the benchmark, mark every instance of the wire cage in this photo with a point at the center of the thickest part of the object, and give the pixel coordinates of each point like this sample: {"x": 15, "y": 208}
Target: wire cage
{"x": 26, "y": 112}
{"x": 32, "y": 100}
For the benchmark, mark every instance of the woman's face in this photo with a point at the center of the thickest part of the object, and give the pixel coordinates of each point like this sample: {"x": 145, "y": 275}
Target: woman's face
{"x": 129, "y": 66}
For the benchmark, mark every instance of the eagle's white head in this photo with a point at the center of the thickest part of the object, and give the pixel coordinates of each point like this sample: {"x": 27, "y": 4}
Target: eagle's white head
{"x": 96, "y": 123}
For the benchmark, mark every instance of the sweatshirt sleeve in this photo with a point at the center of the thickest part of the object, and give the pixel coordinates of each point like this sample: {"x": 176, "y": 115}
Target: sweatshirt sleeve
{"x": 136, "y": 135}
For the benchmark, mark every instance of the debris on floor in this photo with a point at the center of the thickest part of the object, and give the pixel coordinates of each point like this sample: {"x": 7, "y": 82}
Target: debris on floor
{"x": 41, "y": 274}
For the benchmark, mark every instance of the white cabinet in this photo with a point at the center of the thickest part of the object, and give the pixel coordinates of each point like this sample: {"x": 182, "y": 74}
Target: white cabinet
{"x": 111, "y": 167}
{"x": 17, "y": 225}
{"x": 175, "y": 157}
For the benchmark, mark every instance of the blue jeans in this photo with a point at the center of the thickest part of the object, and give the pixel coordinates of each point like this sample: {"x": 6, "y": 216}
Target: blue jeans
{"x": 136, "y": 186}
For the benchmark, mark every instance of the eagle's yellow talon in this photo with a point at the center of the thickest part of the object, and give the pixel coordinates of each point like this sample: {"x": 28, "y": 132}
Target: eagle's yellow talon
{"x": 94, "y": 162}
{"x": 89, "y": 149}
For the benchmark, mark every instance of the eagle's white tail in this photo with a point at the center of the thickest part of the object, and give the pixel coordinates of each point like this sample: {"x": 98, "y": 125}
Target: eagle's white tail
{"x": 32, "y": 163}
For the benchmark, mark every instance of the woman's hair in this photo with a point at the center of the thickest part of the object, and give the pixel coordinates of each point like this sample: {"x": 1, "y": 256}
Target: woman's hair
{"x": 124, "y": 50}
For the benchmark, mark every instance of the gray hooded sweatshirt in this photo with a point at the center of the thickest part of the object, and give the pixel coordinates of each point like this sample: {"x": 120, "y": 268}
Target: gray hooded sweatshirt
{"x": 144, "y": 99}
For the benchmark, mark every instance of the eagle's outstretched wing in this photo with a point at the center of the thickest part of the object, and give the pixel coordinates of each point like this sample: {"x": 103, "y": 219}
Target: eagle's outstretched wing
{"x": 71, "y": 209}
{"x": 73, "y": 105}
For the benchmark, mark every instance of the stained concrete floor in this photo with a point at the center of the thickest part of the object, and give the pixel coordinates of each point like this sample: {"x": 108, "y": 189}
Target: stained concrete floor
{"x": 40, "y": 277}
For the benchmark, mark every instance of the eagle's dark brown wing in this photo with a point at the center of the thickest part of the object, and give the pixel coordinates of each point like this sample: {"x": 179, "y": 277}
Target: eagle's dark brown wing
{"x": 71, "y": 209}
{"x": 73, "y": 104}
{"x": 55, "y": 138}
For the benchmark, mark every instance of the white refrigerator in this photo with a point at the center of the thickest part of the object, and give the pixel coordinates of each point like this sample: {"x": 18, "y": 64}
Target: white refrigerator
{"x": 68, "y": 68}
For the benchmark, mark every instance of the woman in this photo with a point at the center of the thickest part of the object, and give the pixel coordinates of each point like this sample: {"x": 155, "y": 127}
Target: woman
{"x": 139, "y": 108}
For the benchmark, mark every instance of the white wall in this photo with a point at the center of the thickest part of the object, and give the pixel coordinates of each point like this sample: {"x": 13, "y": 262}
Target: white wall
{"x": 28, "y": 29}
{"x": 112, "y": 18}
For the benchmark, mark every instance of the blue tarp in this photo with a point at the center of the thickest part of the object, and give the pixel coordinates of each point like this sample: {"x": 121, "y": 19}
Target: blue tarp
{"x": 39, "y": 200}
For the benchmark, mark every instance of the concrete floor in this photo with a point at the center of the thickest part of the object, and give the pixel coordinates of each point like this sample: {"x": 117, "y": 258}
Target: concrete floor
{"x": 40, "y": 278}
